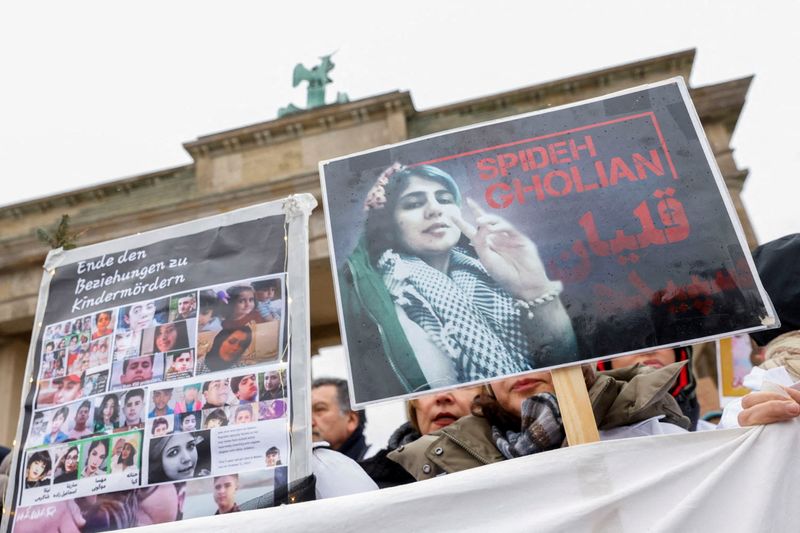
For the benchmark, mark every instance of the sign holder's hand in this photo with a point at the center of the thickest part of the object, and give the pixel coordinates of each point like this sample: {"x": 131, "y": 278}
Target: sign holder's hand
{"x": 769, "y": 407}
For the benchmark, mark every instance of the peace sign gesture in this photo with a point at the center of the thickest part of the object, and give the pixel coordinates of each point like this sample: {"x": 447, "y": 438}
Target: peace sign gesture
{"x": 509, "y": 257}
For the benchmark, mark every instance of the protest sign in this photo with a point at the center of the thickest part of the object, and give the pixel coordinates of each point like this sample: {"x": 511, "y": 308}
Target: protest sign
{"x": 159, "y": 375}
{"x": 566, "y": 235}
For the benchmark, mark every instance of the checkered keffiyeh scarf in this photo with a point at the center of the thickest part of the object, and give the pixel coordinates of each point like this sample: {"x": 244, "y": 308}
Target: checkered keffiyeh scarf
{"x": 542, "y": 428}
{"x": 465, "y": 314}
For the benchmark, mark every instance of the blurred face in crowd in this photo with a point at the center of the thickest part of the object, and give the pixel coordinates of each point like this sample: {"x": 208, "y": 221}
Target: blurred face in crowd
{"x": 656, "y": 359}
{"x": 328, "y": 423}
{"x": 435, "y": 411}
{"x": 511, "y": 392}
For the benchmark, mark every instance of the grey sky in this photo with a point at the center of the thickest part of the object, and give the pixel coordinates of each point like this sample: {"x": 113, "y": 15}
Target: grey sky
{"x": 97, "y": 91}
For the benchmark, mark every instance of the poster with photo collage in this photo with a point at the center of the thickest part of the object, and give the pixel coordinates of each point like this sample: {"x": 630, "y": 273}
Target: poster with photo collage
{"x": 160, "y": 374}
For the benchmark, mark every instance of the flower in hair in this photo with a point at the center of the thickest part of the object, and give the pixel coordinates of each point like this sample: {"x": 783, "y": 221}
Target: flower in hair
{"x": 376, "y": 197}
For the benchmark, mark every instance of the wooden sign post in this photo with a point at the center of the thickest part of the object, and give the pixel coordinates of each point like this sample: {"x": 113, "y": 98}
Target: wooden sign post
{"x": 576, "y": 409}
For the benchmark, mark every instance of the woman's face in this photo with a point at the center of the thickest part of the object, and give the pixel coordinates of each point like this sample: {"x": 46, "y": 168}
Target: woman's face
{"x": 108, "y": 410}
{"x": 95, "y": 459}
{"x": 183, "y": 363}
{"x": 243, "y": 304}
{"x": 179, "y": 456}
{"x": 126, "y": 452}
{"x": 103, "y": 320}
{"x": 35, "y": 471}
{"x": 436, "y": 411}
{"x": 511, "y": 392}
{"x": 189, "y": 423}
{"x": 166, "y": 337}
{"x": 233, "y": 347}
{"x": 71, "y": 462}
{"x": 423, "y": 216}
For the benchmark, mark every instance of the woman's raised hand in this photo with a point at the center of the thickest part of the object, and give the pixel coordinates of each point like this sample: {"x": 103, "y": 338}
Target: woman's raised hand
{"x": 509, "y": 257}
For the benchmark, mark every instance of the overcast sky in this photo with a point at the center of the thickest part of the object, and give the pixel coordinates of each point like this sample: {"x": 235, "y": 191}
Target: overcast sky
{"x": 98, "y": 91}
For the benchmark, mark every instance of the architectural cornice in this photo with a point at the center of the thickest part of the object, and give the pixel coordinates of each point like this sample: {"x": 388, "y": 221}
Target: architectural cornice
{"x": 92, "y": 193}
{"x": 300, "y": 124}
{"x": 26, "y": 249}
{"x": 721, "y": 101}
{"x": 663, "y": 66}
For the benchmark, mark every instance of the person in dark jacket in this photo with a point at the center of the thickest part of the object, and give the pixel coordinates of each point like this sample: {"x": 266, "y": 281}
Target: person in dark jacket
{"x": 333, "y": 421}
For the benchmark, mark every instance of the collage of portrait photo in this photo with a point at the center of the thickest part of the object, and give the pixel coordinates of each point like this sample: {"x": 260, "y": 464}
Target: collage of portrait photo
{"x": 102, "y": 407}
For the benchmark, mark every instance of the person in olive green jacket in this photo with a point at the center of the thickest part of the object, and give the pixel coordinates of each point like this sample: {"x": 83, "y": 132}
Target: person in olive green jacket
{"x": 519, "y": 416}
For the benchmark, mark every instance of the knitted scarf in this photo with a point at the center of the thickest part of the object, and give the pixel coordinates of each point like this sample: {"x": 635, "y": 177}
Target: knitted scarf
{"x": 541, "y": 430}
{"x": 465, "y": 313}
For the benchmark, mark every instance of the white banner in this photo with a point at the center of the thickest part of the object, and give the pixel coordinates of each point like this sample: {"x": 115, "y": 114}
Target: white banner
{"x": 738, "y": 480}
